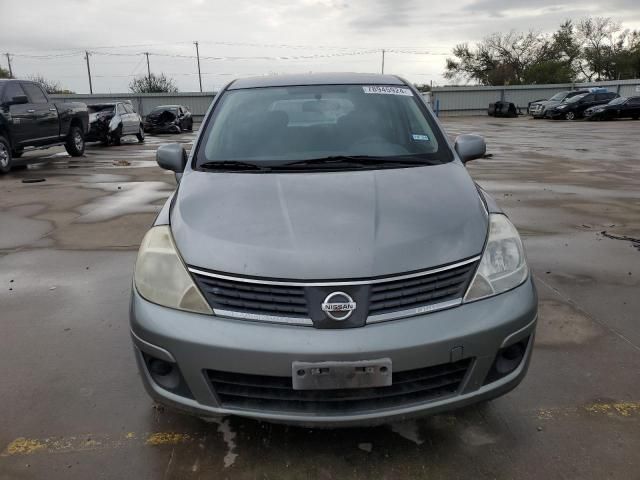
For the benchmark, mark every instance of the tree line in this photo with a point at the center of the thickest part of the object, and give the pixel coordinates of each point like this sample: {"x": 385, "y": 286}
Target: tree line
{"x": 593, "y": 49}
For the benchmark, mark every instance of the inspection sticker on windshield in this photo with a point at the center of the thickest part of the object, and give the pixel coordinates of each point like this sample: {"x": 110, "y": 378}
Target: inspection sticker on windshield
{"x": 422, "y": 138}
{"x": 384, "y": 90}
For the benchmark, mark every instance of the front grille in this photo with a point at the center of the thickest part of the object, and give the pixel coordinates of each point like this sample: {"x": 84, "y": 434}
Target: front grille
{"x": 276, "y": 394}
{"x": 241, "y": 298}
{"x": 253, "y": 297}
{"x": 421, "y": 291}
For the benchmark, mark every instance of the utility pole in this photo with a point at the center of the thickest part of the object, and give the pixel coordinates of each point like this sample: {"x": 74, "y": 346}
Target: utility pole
{"x": 148, "y": 67}
{"x": 383, "y": 61}
{"x": 199, "y": 74}
{"x": 89, "y": 71}
{"x": 9, "y": 62}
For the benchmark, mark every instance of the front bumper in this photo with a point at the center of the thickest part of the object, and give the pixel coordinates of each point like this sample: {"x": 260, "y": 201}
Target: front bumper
{"x": 197, "y": 343}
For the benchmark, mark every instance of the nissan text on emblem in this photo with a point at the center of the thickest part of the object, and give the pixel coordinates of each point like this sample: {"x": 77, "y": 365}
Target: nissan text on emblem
{"x": 338, "y": 306}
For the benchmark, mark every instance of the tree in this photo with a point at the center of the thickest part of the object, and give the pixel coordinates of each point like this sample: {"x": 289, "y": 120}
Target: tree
{"x": 50, "y": 86}
{"x": 4, "y": 73}
{"x": 153, "y": 84}
{"x": 594, "y": 49}
{"x": 499, "y": 59}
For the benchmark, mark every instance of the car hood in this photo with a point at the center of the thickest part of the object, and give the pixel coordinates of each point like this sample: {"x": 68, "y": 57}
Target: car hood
{"x": 328, "y": 225}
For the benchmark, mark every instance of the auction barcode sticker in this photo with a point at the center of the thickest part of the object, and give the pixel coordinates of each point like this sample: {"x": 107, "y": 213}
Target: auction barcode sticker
{"x": 384, "y": 90}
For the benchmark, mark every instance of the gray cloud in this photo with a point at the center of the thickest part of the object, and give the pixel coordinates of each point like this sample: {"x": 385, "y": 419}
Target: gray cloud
{"x": 170, "y": 27}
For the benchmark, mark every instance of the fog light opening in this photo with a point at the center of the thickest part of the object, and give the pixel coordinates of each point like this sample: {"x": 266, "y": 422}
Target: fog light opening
{"x": 166, "y": 375}
{"x": 507, "y": 360}
{"x": 160, "y": 367}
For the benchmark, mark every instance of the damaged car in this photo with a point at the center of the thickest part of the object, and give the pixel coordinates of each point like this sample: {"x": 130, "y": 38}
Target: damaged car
{"x": 109, "y": 122}
{"x": 169, "y": 119}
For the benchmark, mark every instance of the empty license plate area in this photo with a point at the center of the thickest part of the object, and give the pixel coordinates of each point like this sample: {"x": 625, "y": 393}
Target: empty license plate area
{"x": 337, "y": 375}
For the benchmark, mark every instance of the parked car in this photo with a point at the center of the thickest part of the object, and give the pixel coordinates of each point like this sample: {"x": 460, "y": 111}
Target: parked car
{"x": 30, "y": 119}
{"x": 575, "y": 106}
{"x": 621, "y": 107}
{"x": 340, "y": 267}
{"x": 109, "y": 122}
{"x": 169, "y": 118}
{"x": 539, "y": 108}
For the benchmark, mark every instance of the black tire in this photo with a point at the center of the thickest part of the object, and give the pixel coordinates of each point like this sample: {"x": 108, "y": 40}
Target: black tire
{"x": 116, "y": 136}
{"x": 140, "y": 134}
{"x": 190, "y": 126}
{"x": 5, "y": 156}
{"x": 75, "y": 142}
{"x": 570, "y": 116}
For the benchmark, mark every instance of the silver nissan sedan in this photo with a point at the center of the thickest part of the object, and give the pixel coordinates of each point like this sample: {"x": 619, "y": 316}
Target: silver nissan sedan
{"x": 327, "y": 260}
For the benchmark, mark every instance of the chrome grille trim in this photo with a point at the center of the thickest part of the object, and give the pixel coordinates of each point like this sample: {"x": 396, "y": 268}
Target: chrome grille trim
{"x": 413, "y": 312}
{"x": 334, "y": 284}
{"x": 257, "y": 317}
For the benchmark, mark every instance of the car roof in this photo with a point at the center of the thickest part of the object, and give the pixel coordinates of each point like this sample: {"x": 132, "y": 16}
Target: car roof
{"x": 106, "y": 104}
{"x": 167, "y": 106}
{"x": 315, "y": 79}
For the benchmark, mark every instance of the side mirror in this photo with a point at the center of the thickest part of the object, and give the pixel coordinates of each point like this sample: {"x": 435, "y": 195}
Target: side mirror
{"x": 18, "y": 100}
{"x": 172, "y": 157}
{"x": 470, "y": 147}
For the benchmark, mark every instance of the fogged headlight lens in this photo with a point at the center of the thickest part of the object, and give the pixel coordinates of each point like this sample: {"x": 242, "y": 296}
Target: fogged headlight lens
{"x": 503, "y": 265}
{"x": 161, "y": 277}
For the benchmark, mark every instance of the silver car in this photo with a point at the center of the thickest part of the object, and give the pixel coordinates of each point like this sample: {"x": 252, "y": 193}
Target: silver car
{"x": 327, "y": 260}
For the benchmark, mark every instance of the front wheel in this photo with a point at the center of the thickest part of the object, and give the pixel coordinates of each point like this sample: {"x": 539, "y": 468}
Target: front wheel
{"x": 140, "y": 134}
{"x": 570, "y": 116}
{"x": 5, "y": 156}
{"x": 75, "y": 142}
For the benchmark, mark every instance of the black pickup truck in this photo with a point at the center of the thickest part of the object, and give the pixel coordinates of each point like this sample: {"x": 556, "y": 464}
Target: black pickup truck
{"x": 30, "y": 119}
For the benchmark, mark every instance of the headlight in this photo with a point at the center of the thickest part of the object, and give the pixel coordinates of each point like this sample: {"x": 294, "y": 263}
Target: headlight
{"x": 503, "y": 265}
{"x": 161, "y": 277}
{"x": 561, "y": 107}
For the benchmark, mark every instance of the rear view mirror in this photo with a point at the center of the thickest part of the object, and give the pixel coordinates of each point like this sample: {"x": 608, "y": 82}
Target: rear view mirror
{"x": 470, "y": 147}
{"x": 18, "y": 100}
{"x": 172, "y": 157}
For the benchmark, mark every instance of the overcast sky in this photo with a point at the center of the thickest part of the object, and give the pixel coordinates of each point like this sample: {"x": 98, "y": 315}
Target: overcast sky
{"x": 339, "y": 35}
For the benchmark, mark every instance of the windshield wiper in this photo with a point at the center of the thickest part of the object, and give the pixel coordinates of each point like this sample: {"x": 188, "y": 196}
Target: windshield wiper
{"x": 235, "y": 166}
{"x": 356, "y": 160}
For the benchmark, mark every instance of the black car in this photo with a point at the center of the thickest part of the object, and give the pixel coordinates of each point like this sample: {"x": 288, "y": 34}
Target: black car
{"x": 621, "y": 107}
{"x": 169, "y": 119}
{"x": 575, "y": 107}
{"x": 29, "y": 119}
{"x": 539, "y": 108}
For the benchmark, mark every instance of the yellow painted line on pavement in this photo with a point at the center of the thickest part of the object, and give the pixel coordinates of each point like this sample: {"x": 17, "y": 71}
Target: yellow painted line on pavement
{"x": 28, "y": 446}
{"x": 609, "y": 409}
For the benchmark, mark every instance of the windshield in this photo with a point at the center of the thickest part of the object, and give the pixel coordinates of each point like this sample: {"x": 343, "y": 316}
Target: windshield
{"x": 558, "y": 97}
{"x": 618, "y": 101}
{"x": 577, "y": 98}
{"x": 284, "y": 124}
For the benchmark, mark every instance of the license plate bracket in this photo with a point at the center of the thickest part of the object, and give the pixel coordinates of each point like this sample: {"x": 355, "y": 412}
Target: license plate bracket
{"x": 341, "y": 375}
